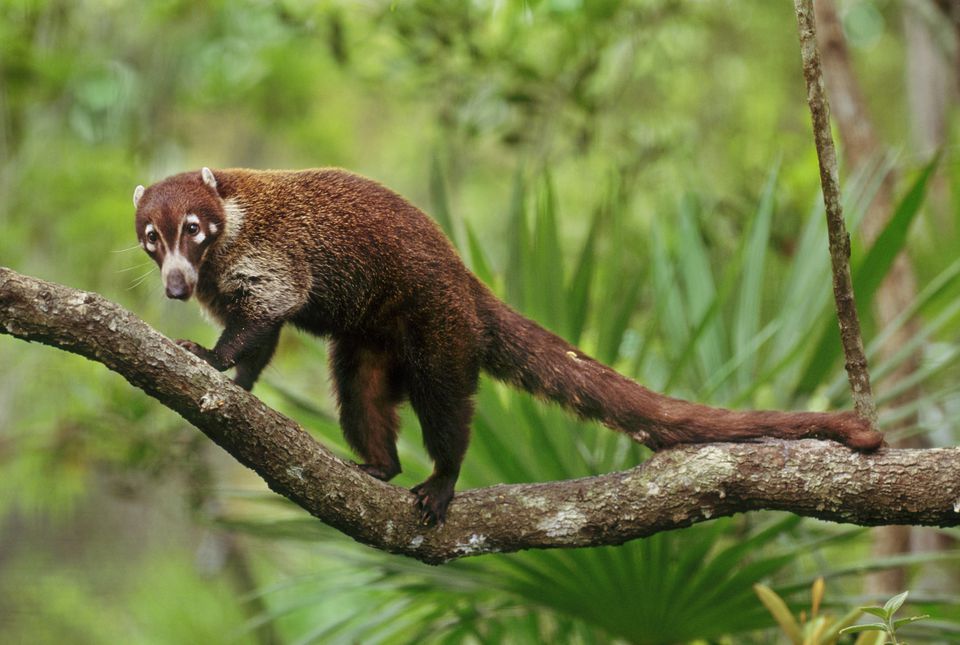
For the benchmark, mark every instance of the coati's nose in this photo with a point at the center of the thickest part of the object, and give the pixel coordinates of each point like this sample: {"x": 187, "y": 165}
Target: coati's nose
{"x": 177, "y": 286}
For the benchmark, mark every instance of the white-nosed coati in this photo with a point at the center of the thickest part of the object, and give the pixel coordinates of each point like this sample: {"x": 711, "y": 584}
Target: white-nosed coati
{"x": 339, "y": 255}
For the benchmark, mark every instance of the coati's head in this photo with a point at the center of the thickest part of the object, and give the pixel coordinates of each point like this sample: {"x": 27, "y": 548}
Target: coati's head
{"x": 178, "y": 220}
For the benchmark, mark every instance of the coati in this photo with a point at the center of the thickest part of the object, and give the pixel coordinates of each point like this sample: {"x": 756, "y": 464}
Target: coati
{"x": 343, "y": 257}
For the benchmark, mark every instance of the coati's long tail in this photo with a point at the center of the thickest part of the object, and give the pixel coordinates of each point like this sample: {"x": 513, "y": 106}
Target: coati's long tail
{"x": 521, "y": 352}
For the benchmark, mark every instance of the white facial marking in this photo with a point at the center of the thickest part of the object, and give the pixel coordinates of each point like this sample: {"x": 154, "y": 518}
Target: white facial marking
{"x": 176, "y": 242}
{"x": 200, "y": 236}
{"x": 173, "y": 262}
{"x": 213, "y": 228}
{"x": 137, "y": 194}
{"x": 150, "y": 246}
{"x": 208, "y": 177}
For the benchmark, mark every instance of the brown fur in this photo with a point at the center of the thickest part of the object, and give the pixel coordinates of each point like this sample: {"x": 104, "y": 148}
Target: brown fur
{"x": 339, "y": 255}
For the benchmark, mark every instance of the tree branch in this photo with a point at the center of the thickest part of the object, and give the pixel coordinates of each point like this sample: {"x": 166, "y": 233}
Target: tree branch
{"x": 839, "y": 239}
{"x": 675, "y": 488}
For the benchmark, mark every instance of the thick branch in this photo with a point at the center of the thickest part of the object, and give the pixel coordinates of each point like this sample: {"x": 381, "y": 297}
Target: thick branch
{"x": 850, "y": 338}
{"x": 675, "y": 488}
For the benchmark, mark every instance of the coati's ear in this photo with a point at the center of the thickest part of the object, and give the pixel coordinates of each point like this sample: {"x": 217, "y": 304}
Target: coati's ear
{"x": 137, "y": 194}
{"x": 208, "y": 177}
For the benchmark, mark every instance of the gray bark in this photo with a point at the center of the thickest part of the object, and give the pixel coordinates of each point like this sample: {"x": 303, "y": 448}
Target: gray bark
{"x": 675, "y": 488}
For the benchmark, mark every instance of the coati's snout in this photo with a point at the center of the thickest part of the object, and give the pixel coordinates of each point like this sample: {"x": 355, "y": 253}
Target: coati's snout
{"x": 179, "y": 277}
{"x": 178, "y": 289}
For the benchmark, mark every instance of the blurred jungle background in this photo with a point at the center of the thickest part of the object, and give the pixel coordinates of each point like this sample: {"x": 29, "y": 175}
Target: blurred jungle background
{"x": 637, "y": 175}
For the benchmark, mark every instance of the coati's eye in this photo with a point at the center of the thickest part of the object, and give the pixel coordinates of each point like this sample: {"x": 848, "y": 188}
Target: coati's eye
{"x": 192, "y": 228}
{"x": 152, "y": 237}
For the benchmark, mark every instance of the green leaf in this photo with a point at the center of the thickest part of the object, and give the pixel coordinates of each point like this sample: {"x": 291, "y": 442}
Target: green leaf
{"x": 892, "y": 605}
{"x": 867, "y": 277}
{"x": 670, "y": 313}
{"x": 519, "y": 243}
{"x": 897, "y": 624}
{"x": 936, "y": 287}
{"x": 615, "y": 324}
{"x": 814, "y": 630}
{"x": 780, "y": 612}
{"x": 478, "y": 257}
{"x": 699, "y": 286}
{"x": 727, "y": 559}
{"x": 578, "y": 301}
{"x": 831, "y": 635}
{"x": 871, "y": 638}
{"x": 871, "y": 272}
{"x": 692, "y": 343}
{"x": 747, "y": 321}
{"x": 880, "y": 612}
{"x": 543, "y": 267}
{"x": 439, "y": 199}
{"x": 869, "y": 627}
{"x": 496, "y": 451}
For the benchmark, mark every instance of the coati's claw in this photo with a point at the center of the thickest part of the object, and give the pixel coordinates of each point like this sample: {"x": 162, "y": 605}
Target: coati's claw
{"x": 201, "y": 352}
{"x": 433, "y": 498}
{"x": 193, "y": 348}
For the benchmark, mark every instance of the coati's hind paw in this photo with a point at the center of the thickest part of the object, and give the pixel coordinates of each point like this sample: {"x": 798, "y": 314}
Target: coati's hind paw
{"x": 383, "y": 473}
{"x": 433, "y": 498}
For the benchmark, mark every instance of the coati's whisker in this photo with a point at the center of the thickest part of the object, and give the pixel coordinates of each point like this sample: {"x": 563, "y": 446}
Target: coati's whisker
{"x": 135, "y": 266}
{"x": 139, "y": 280}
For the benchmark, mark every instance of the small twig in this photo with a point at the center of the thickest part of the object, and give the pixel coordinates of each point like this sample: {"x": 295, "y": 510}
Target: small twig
{"x": 852, "y": 341}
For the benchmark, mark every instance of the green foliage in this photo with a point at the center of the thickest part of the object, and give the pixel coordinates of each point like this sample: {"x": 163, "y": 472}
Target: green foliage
{"x": 808, "y": 629}
{"x": 167, "y": 601}
{"x": 870, "y": 271}
{"x": 889, "y": 626}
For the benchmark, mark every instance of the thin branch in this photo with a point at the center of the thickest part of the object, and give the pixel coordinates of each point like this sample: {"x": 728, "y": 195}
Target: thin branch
{"x": 850, "y": 338}
{"x": 862, "y": 146}
{"x": 675, "y": 488}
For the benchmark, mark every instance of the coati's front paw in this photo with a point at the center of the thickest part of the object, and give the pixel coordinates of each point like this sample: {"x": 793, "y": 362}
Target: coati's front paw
{"x": 433, "y": 498}
{"x": 199, "y": 351}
